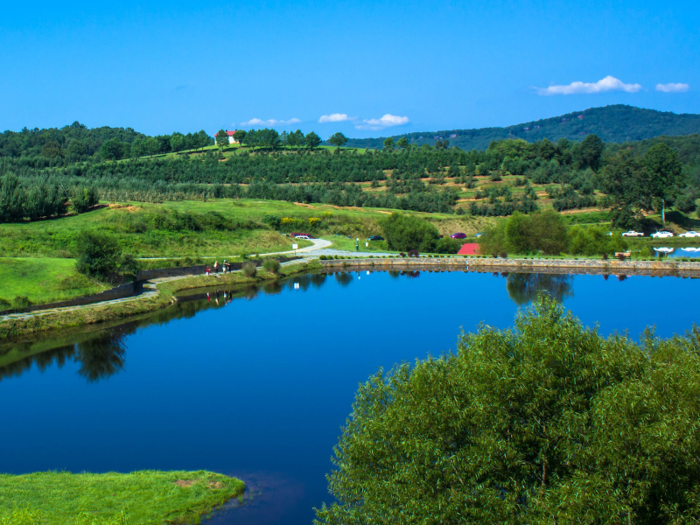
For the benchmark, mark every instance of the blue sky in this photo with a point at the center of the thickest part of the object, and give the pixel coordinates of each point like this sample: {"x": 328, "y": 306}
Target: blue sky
{"x": 372, "y": 68}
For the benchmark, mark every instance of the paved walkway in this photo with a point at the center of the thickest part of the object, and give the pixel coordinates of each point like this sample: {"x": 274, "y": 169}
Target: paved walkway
{"x": 318, "y": 244}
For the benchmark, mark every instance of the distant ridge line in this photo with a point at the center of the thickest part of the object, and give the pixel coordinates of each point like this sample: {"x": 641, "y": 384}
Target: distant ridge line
{"x": 615, "y": 123}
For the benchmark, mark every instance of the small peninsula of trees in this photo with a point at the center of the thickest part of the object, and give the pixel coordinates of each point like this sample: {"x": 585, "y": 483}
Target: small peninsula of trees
{"x": 547, "y": 423}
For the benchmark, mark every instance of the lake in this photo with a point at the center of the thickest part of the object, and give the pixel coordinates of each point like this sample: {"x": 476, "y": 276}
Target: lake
{"x": 257, "y": 382}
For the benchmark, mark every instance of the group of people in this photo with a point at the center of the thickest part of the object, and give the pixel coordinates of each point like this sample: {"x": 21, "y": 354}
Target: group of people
{"x": 224, "y": 268}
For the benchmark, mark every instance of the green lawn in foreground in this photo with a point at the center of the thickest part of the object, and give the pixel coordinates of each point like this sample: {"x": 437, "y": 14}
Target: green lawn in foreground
{"x": 139, "y": 498}
{"x": 43, "y": 280}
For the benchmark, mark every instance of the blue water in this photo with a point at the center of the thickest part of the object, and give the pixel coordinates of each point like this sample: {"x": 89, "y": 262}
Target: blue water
{"x": 678, "y": 253}
{"x": 259, "y": 386}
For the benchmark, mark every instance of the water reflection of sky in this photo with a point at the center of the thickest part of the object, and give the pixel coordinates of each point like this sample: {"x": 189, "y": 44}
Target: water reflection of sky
{"x": 678, "y": 253}
{"x": 257, "y": 381}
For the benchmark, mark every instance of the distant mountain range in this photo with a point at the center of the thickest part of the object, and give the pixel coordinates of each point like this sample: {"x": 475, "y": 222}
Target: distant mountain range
{"x": 618, "y": 123}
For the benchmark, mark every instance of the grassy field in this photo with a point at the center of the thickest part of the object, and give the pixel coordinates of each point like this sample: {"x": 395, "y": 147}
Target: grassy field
{"x": 139, "y": 498}
{"x": 43, "y": 280}
{"x": 223, "y": 227}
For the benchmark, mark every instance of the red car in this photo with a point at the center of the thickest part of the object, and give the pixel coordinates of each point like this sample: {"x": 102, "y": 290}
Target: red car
{"x": 458, "y": 235}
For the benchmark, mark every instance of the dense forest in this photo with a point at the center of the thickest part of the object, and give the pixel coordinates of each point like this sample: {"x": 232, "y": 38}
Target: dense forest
{"x": 510, "y": 175}
{"x": 77, "y": 142}
{"x": 617, "y": 123}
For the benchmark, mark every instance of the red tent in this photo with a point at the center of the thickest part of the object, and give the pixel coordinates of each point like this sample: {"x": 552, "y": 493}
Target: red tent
{"x": 470, "y": 248}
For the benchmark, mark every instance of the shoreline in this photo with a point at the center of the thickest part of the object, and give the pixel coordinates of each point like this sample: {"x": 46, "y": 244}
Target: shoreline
{"x": 14, "y": 329}
{"x": 572, "y": 266}
{"x": 163, "y": 294}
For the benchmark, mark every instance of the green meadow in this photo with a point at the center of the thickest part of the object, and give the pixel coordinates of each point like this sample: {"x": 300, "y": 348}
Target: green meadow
{"x": 138, "y": 498}
{"x": 42, "y": 280}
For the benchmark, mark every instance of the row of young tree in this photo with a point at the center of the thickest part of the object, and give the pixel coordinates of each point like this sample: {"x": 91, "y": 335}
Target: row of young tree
{"x": 22, "y": 199}
{"x": 635, "y": 182}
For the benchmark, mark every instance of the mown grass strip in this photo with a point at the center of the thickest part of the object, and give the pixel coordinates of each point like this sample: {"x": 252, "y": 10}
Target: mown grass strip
{"x": 139, "y": 498}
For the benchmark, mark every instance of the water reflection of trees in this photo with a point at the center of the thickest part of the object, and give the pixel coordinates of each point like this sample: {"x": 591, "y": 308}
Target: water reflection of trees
{"x": 99, "y": 355}
{"x": 102, "y": 353}
{"x": 343, "y": 278}
{"x": 523, "y": 288}
{"x": 102, "y": 356}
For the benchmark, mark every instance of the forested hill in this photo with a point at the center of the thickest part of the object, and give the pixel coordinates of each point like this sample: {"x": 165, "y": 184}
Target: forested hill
{"x": 618, "y": 123}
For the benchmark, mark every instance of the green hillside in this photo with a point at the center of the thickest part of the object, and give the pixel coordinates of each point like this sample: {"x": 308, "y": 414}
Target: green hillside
{"x": 618, "y": 123}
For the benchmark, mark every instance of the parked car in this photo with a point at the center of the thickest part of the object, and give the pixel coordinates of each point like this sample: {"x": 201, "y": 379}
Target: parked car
{"x": 458, "y": 235}
{"x": 478, "y": 235}
{"x": 690, "y": 234}
{"x": 375, "y": 238}
{"x": 662, "y": 235}
{"x": 633, "y": 233}
{"x": 305, "y": 237}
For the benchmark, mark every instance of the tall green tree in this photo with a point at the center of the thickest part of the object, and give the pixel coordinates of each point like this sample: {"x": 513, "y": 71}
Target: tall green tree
{"x": 338, "y": 139}
{"x": 388, "y": 144}
{"x": 112, "y": 149}
{"x": 402, "y": 143}
{"x": 588, "y": 154}
{"x": 177, "y": 142}
{"x": 221, "y": 138}
{"x": 663, "y": 171}
{"x": 547, "y": 423}
{"x": 311, "y": 140}
{"x": 239, "y": 136}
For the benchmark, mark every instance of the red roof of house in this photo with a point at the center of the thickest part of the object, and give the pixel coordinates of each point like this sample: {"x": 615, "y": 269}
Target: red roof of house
{"x": 230, "y": 133}
{"x": 470, "y": 248}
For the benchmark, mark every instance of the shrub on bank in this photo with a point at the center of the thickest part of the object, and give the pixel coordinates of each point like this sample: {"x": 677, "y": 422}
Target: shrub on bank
{"x": 272, "y": 266}
{"x": 249, "y": 269}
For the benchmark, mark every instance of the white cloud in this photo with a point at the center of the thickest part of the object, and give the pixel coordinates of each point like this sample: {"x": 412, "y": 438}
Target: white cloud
{"x": 386, "y": 121}
{"x": 673, "y": 87}
{"x": 272, "y": 122}
{"x": 575, "y": 88}
{"x": 333, "y": 117}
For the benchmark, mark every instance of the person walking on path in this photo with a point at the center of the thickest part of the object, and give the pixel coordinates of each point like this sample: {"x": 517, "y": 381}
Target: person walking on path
{"x": 207, "y": 271}
{"x": 223, "y": 267}
{"x": 216, "y": 268}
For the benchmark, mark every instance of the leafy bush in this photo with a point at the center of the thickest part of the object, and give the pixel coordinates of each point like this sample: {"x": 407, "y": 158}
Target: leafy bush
{"x": 249, "y": 269}
{"x": 448, "y": 246}
{"x": 21, "y": 302}
{"x": 577, "y": 429}
{"x": 594, "y": 240}
{"x": 272, "y": 266}
{"x": 543, "y": 231}
{"x": 98, "y": 255}
{"x": 406, "y": 232}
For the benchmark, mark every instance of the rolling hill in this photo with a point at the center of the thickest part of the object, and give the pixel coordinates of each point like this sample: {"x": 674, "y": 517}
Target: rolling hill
{"x": 618, "y": 123}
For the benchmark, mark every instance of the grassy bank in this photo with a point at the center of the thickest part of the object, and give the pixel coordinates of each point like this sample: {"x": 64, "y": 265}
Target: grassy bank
{"x": 43, "y": 280}
{"x": 139, "y": 498}
{"x": 16, "y": 329}
{"x": 221, "y": 227}
{"x": 149, "y": 230}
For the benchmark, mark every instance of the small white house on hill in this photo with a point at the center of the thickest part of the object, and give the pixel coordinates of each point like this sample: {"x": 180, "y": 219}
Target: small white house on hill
{"x": 231, "y": 140}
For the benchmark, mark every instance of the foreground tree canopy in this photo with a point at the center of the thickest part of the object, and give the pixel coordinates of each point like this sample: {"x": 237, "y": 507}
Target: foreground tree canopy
{"x": 546, "y": 423}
